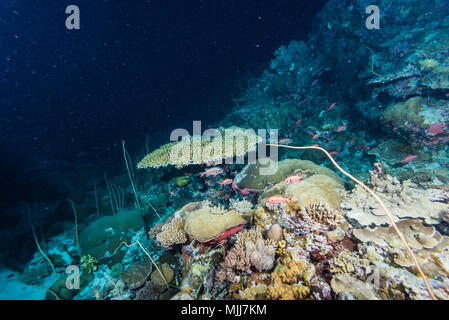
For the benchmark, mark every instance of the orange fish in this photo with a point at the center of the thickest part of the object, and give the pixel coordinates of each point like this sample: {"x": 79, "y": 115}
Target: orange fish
{"x": 226, "y": 182}
{"x": 310, "y": 132}
{"x": 278, "y": 199}
{"x": 316, "y": 136}
{"x": 333, "y": 153}
{"x": 342, "y": 128}
{"x": 297, "y": 123}
{"x": 331, "y": 106}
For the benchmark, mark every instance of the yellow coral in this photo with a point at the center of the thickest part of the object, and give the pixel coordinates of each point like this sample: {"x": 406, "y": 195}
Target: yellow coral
{"x": 287, "y": 292}
{"x": 285, "y": 280}
{"x": 344, "y": 263}
{"x": 290, "y": 272}
{"x": 257, "y": 292}
{"x": 407, "y": 111}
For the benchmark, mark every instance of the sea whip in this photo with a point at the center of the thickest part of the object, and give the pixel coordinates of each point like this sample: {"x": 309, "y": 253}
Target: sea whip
{"x": 389, "y": 215}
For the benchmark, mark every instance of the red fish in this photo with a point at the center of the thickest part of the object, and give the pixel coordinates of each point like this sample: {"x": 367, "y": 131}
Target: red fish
{"x": 331, "y": 106}
{"x": 297, "y": 123}
{"x": 352, "y": 141}
{"x": 364, "y": 146}
{"x": 225, "y": 235}
{"x": 285, "y": 141}
{"x": 316, "y": 136}
{"x": 342, "y": 128}
{"x": 409, "y": 158}
{"x": 294, "y": 179}
{"x": 310, "y": 132}
{"x": 304, "y": 101}
{"x": 314, "y": 82}
{"x": 278, "y": 199}
{"x": 333, "y": 153}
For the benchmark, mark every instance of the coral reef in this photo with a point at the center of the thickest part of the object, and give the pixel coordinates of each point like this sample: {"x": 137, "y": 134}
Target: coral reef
{"x": 172, "y": 232}
{"x": 285, "y": 280}
{"x": 204, "y": 225}
{"x": 406, "y": 200}
{"x": 198, "y": 150}
{"x": 260, "y": 255}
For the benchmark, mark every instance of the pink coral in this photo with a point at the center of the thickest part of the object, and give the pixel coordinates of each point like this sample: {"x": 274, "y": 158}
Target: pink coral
{"x": 437, "y": 128}
{"x": 235, "y": 260}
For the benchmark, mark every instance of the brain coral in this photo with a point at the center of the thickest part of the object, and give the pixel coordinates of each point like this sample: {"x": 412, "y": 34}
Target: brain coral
{"x": 316, "y": 189}
{"x": 250, "y": 176}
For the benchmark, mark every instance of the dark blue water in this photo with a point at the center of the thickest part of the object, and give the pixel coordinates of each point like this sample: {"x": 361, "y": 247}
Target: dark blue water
{"x": 67, "y": 97}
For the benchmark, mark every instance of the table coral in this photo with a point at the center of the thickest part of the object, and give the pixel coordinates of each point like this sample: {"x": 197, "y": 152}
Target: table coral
{"x": 198, "y": 150}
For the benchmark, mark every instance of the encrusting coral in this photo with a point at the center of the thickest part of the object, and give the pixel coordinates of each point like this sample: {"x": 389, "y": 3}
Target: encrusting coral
{"x": 257, "y": 292}
{"x": 426, "y": 241}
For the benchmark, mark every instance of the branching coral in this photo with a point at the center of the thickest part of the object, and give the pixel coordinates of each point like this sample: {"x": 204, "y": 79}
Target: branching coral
{"x": 285, "y": 281}
{"x": 322, "y": 214}
{"x": 172, "y": 232}
{"x": 235, "y": 261}
{"x": 251, "y": 236}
